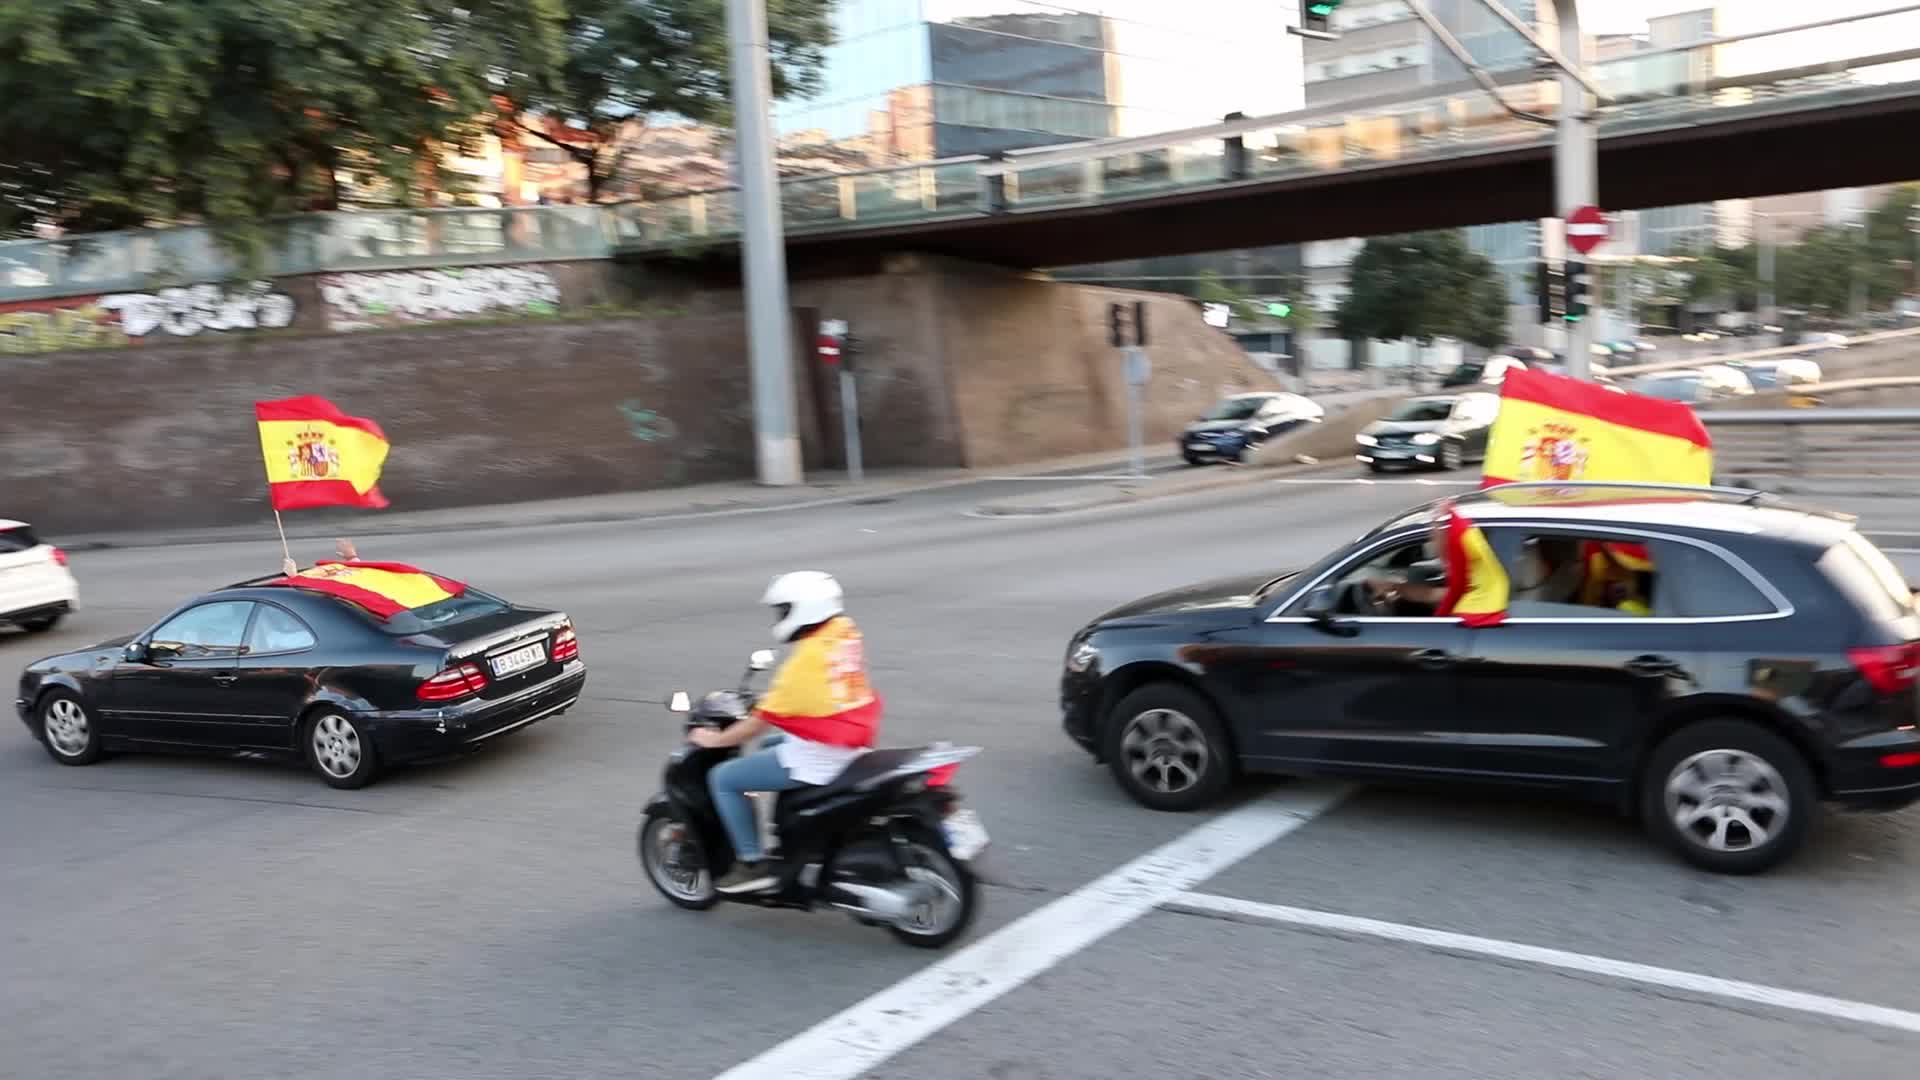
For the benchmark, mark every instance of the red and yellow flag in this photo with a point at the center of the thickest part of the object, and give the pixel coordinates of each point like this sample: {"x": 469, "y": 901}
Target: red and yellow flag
{"x": 384, "y": 589}
{"x": 821, "y": 693}
{"x": 319, "y": 456}
{"x": 1552, "y": 427}
{"x": 1477, "y": 585}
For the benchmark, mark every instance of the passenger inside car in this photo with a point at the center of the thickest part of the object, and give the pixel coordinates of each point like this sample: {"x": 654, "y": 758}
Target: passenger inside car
{"x": 1566, "y": 577}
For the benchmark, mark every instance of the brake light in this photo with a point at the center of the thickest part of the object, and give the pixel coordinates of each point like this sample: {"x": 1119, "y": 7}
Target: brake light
{"x": 566, "y": 645}
{"x": 454, "y": 683}
{"x": 1900, "y": 761}
{"x": 1888, "y": 668}
{"x": 59, "y": 557}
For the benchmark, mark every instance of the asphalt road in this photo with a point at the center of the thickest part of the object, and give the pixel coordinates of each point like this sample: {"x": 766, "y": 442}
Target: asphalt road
{"x": 208, "y": 919}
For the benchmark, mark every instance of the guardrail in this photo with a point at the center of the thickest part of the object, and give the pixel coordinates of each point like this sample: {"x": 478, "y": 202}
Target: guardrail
{"x": 1771, "y": 352}
{"x": 1656, "y": 90}
{"x": 1828, "y": 452}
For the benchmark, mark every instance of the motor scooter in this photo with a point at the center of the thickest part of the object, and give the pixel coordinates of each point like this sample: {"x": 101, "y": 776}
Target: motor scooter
{"x": 886, "y": 841}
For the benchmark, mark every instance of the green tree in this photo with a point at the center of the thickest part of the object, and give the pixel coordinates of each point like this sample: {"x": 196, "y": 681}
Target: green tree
{"x": 127, "y": 112}
{"x": 630, "y": 60}
{"x": 1421, "y": 286}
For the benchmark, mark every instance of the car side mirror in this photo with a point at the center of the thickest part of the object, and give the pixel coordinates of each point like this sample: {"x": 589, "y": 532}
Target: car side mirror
{"x": 1320, "y": 608}
{"x": 761, "y": 660}
{"x": 136, "y": 652}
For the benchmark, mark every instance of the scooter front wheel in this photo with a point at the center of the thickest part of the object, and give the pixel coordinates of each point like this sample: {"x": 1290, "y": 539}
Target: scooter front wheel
{"x": 672, "y": 860}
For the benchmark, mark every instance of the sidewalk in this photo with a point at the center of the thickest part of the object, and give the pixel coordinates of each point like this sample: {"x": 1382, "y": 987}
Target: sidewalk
{"x": 741, "y": 497}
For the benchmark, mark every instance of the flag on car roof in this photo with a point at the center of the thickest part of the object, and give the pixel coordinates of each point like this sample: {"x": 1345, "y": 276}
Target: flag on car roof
{"x": 1553, "y": 427}
{"x": 1477, "y": 585}
{"x": 383, "y": 589}
{"x": 319, "y": 456}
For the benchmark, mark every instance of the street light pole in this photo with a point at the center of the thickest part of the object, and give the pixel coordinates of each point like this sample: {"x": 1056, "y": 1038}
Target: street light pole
{"x": 762, "y": 248}
{"x": 1575, "y": 165}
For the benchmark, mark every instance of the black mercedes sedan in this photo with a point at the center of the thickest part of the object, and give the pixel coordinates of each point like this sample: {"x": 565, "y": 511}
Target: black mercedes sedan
{"x": 273, "y": 667}
{"x": 1768, "y": 664}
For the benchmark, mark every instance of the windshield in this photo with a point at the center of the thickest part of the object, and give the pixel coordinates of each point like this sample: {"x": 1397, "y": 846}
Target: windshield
{"x": 1670, "y": 389}
{"x": 1423, "y": 411}
{"x": 1235, "y": 409}
{"x": 1762, "y": 377}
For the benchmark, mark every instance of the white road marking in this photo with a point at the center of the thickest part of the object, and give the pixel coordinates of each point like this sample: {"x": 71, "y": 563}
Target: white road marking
{"x": 871, "y": 1031}
{"x": 1060, "y": 478}
{"x": 1707, "y": 985}
{"x": 1420, "y": 480}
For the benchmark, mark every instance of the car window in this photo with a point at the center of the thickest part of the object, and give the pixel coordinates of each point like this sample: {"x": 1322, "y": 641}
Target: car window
{"x": 1706, "y": 586}
{"x": 18, "y": 538}
{"x": 276, "y": 630}
{"x": 1423, "y": 410}
{"x": 1234, "y": 409}
{"x": 1867, "y": 578}
{"x": 208, "y": 630}
{"x": 1565, "y": 575}
{"x": 442, "y": 615}
{"x": 1389, "y": 568}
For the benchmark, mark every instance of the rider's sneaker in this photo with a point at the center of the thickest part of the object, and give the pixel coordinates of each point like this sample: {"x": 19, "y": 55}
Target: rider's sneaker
{"x": 746, "y": 877}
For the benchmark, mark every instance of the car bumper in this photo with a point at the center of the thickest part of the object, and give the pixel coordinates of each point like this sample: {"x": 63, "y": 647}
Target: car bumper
{"x": 1397, "y": 455}
{"x": 415, "y": 734}
{"x": 1203, "y": 448}
{"x": 1080, "y": 710}
{"x": 36, "y": 591}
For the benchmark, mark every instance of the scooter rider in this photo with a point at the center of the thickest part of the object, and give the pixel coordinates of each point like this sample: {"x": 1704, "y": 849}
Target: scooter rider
{"x": 826, "y": 712}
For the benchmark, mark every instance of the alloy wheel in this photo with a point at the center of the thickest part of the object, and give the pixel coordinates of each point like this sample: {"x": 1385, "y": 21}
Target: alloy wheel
{"x": 336, "y": 745}
{"x": 1727, "y": 800}
{"x": 1165, "y": 750}
{"x": 67, "y": 727}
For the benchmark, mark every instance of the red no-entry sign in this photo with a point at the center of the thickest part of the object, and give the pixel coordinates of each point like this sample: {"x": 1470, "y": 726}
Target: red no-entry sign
{"x": 1586, "y": 229}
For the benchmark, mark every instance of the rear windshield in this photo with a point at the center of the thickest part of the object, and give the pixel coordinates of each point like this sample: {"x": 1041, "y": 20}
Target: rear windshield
{"x": 1868, "y": 578}
{"x": 18, "y": 538}
{"x": 471, "y": 604}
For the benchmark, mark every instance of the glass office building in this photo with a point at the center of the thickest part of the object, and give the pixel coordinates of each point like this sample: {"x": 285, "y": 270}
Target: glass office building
{"x": 911, "y": 80}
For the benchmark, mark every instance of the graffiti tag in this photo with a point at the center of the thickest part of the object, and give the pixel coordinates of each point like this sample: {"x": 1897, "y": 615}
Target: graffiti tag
{"x": 359, "y": 301}
{"x": 93, "y": 322}
{"x": 645, "y": 424}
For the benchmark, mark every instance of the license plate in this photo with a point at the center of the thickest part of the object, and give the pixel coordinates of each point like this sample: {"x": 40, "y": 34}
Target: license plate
{"x": 520, "y": 659}
{"x": 1199, "y": 446}
{"x": 966, "y": 837}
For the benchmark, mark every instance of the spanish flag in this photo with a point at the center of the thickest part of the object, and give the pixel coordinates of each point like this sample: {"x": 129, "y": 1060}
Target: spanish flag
{"x": 383, "y": 589}
{"x": 319, "y": 456}
{"x": 821, "y": 693}
{"x": 1552, "y": 427}
{"x": 1477, "y": 585}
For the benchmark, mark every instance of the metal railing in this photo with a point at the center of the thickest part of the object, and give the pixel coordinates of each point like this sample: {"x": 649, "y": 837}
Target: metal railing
{"x": 1668, "y": 88}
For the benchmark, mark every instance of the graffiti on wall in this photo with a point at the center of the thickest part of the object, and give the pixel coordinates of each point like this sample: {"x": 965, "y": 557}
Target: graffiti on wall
{"x": 93, "y": 322}
{"x": 361, "y": 301}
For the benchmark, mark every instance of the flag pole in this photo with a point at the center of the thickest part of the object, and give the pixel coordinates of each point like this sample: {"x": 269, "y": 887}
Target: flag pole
{"x": 278, "y": 524}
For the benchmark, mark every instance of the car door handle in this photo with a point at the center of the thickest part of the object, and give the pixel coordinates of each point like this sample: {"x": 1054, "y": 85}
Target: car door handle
{"x": 226, "y": 680}
{"x": 1433, "y": 658}
{"x": 1652, "y": 667}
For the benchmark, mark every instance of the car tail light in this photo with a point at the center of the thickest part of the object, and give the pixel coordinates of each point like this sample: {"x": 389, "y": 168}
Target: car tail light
{"x": 1888, "y": 668}
{"x": 1900, "y": 761}
{"x": 566, "y": 645}
{"x": 59, "y": 557}
{"x": 454, "y": 683}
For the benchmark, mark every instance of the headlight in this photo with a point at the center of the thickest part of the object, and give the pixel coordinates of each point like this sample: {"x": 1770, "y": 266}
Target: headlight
{"x": 1365, "y": 439}
{"x": 1082, "y": 656}
{"x": 1425, "y": 438}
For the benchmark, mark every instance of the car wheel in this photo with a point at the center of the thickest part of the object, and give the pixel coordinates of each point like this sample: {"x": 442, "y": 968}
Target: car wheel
{"x": 1167, "y": 748}
{"x": 1376, "y": 467}
{"x": 40, "y": 625}
{"x": 1729, "y": 796}
{"x": 1194, "y": 461}
{"x": 67, "y": 729}
{"x": 1450, "y": 456}
{"x": 339, "y": 750}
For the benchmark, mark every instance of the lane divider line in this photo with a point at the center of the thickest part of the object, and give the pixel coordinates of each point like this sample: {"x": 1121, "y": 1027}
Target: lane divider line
{"x": 1858, "y": 1012}
{"x": 873, "y": 1030}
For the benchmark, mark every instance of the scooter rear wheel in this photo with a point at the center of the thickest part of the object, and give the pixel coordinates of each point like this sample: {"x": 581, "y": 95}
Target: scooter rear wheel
{"x": 690, "y": 887}
{"x": 948, "y": 915}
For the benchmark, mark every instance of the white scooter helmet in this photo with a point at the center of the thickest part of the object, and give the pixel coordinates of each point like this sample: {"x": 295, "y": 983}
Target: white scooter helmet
{"x": 801, "y": 599}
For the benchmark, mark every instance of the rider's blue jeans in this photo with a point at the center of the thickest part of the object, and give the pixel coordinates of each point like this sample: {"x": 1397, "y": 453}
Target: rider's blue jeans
{"x": 730, "y": 781}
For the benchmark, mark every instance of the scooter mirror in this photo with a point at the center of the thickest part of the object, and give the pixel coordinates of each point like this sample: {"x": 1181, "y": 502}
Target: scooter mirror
{"x": 761, "y": 660}
{"x": 679, "y": 702}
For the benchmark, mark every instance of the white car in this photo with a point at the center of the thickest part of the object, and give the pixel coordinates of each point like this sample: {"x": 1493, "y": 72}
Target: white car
{"x": 36, "y": 588}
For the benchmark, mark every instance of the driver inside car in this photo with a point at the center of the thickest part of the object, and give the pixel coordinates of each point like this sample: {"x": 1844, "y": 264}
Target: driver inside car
{"x": 820, "y": 701}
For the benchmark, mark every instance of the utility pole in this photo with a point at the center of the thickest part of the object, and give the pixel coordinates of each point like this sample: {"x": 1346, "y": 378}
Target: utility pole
{"x": 1768, "y": 316}
{"x": 762, "y": 248}
{"x": 1575, "y": 164}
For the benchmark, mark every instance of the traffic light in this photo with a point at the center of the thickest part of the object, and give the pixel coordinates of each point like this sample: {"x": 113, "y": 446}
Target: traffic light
{"x": 1127, "y": 324}
{"x": 1117, "y": 325}
{"x": 1316, "y": 16}
{"x": 1279, "y": 309}
{"x": 1579, "y": 291}
{"x": 1552, "y": 285}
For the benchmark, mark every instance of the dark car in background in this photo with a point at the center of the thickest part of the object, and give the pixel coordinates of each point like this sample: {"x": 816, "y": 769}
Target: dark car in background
{"x": 1774, "y": 667}
{"x": 281, "y": 670}
{"x": 1441, "y": 431}
{"x": 1236, "y": 428}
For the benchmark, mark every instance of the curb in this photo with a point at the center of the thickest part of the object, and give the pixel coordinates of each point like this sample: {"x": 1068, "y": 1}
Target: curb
{"x": 1147, "y": 492}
